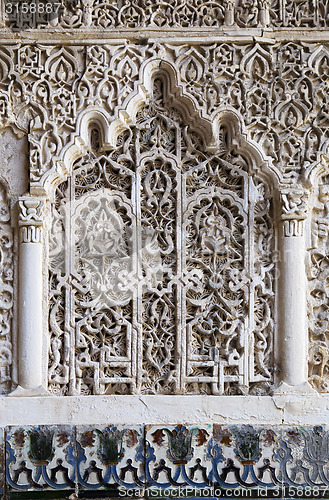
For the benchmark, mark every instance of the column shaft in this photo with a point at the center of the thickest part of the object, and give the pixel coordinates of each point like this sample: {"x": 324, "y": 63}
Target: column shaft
{"x": 31, "y": 378}
{"x": 30, "y": 315}
{"x": 292, "y": 312}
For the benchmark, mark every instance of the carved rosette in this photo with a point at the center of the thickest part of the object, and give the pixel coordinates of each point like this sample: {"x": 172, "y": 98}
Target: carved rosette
{"x": 6, "y": 292}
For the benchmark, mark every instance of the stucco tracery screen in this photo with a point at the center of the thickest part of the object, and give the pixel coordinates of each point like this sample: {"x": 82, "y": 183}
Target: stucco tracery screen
{"x": 161, "y": 265}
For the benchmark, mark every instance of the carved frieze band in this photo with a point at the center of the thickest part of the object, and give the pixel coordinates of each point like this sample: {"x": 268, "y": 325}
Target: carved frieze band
{"x": 132, "y": 14}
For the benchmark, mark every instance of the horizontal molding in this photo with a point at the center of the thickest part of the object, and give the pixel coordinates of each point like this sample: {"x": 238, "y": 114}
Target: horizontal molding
{"x": 193, "y": 35}
{"x": 294, "y": 409}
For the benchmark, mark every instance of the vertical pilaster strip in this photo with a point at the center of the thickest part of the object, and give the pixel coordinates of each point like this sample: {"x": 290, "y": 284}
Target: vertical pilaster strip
{"x": 292, "y": 286}
{"x": 30, "y": 344}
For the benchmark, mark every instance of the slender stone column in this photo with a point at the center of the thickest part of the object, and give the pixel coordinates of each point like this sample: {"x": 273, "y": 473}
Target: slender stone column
{"x": 292, "y": 289}
{"x": 30, "y": 341}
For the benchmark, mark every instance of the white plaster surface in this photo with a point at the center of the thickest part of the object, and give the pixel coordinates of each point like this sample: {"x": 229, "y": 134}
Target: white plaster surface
{"x": 14, "y": 163}
{"x": 263, "y": 410}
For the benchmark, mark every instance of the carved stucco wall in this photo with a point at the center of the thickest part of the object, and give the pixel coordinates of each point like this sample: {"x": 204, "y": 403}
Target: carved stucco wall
{"x": 164, "y": 221}
{"x": 268, "y": 100}
{"x": 267, "y": 95}
{"x": 199, "y": 221}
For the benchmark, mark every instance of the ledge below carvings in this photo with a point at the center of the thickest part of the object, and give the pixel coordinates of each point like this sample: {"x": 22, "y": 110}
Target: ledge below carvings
{"x": 288, "y": 409}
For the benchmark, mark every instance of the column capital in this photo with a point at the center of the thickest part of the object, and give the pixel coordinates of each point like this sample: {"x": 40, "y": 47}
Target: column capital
{"x": 294, "y": 204}
{"x": 31, "y": 211}
{"x": 31, "y": 218}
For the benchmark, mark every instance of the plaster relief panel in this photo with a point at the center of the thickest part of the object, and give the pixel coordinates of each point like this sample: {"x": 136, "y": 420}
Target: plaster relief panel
{"x": 6, "y": 292}
{"x": 162, "y": 242}
{"x": 161, "y": 265}
{"x": 318, "y": 303}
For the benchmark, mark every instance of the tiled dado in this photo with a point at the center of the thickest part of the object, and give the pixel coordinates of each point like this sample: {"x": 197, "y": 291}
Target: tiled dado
{"x": 178, "y": 459}
{"x": 111, "y": 458}
{"x": 40, "y": 458}
{"x": 164, "y": 461}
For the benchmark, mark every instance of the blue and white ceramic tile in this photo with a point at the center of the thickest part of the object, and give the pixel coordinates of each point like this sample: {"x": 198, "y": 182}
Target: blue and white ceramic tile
{"x": 169, "y": 461}
{"x": 40, "y": 458}
{"x": 111, "y": 457}
{"x": 304, "y": 456}
{"x": 244, "y": 457}
{"x": 178, "y": 457}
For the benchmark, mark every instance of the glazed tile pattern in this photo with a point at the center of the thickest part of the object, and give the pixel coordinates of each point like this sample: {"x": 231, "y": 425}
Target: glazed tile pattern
{"x": 159, "y": 461}
{"x": 110, "y": 457}
{"x": 178, "y": 457}
{"x": 304, "y": 457}
{"x": 40, "y": 458}
{"x": 243, "y": 457}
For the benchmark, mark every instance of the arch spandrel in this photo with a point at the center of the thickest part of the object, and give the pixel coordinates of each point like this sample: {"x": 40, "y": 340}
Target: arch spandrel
{"x": 177, "y": 96}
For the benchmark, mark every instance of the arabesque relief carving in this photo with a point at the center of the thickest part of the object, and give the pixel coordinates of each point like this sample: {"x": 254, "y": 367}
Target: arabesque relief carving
{"x": 318, "y": 303}
{"x": 131, "y": 14}
{"x": 278, "y": 91}
{"x": 167, "y": 278}
{"x": 6, "y": 292}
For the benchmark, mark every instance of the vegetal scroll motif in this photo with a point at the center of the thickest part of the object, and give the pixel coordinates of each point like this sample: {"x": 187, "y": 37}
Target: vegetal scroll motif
{"x": 6, "y": 292}
{"x": 318, "y": 301}
{"x": 161, "y": 271}
{"x": 173, "y": 13}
